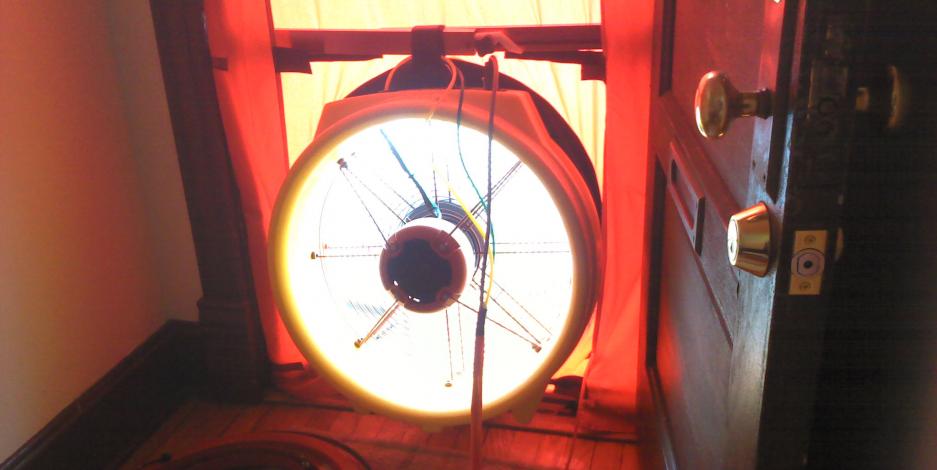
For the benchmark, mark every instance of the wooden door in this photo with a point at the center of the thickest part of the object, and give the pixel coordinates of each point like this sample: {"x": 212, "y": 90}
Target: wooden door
{"x": 877, "y": 392}
{"x": 732, "y": 356}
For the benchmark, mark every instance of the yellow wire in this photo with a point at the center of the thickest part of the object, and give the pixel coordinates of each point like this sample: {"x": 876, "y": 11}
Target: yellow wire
{"x": 478, "y": 226}
{"x": 429, "y": 118}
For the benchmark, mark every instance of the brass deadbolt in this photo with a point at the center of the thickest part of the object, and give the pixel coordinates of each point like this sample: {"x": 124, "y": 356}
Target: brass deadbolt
{"x": 749, "y": 240}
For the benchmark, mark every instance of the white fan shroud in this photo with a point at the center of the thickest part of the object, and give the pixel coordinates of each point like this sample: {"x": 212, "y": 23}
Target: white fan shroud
{"x": 403, "y": 372}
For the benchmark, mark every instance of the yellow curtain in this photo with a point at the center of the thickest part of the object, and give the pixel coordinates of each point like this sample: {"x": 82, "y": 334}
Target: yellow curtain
{"x": 581, "y": 103}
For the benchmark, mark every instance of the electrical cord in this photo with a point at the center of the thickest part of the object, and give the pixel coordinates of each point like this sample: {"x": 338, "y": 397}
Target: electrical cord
{"x": 489, "y": 232}
{"x": 387, "y": 83}
{"x": 481, "y": 200}
{"x": 449, "y": 63}
{"x": 487, "y": 269}
{"x": 477, "y": 373}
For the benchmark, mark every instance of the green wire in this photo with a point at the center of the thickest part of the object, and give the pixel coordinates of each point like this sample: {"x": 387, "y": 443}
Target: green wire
{"x": 458, "y": 136}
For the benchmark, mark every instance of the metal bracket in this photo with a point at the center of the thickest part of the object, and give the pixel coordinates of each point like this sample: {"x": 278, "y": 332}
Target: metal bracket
{"x": 579, "y": 44}
{"x": 807, "y": 262}
{"x": 426, "y": 44}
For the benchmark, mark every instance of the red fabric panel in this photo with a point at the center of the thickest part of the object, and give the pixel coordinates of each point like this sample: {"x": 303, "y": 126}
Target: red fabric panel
{"x": 249, "y": 97}
{"x": 612, "y": 378}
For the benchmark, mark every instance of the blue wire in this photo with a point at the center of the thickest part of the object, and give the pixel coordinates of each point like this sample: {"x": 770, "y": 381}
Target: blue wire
{"x": 426, "y": 200}
{"x": 458, "y": 135}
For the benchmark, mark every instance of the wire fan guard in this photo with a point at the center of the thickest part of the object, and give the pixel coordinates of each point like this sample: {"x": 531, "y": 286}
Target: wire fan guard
{"x": 372, "y": 300}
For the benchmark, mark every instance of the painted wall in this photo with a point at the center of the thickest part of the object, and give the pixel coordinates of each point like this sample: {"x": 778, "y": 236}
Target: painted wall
{"x": 95, "y": 250}
{"x": 153, "y": 149}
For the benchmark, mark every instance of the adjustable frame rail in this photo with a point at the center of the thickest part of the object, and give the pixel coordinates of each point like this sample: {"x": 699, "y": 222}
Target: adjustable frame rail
{"x": 295, "y": 49}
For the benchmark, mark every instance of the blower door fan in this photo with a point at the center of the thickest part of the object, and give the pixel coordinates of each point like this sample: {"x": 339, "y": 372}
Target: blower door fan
{"x": 376, "y": 248}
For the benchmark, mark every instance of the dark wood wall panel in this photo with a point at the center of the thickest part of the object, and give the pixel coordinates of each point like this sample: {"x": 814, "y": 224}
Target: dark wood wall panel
{"x": 234, "y": 352}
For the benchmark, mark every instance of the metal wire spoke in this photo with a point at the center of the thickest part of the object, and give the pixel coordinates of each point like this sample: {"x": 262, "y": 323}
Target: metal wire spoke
{"x": 521, "y": 251}
{"x": 519, "y": 304}
{"x": 534, "y": 345}
{"x": 363, "y": 204}
{"x": 504, "y": 309}
{"x": 363, "y": 251}
{"x": 349, "y": 251}
{"x": 371, "y": 191}
{"x": 531, "y": 242}
{"x": 458, "y": 313}
{"x": 380, "y": 323}
{"x": 383, "y": 183}
{"x": 432, "y": 162}
{"x": 527, "y": 252}
{"x": 477, "y": 208}
{"x": 449, "y": 343}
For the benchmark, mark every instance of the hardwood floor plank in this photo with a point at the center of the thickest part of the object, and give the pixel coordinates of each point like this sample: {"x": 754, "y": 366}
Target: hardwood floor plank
{"x": 463, "y": 439}
{"x": 153, "y": 447}
{"x": 442, "y": 439}
{"x": 498, "y": 446}
{"x": 207, "y": 421}
{"x": 524, "y": 448}
{"x": 248, "y": 420}
{"x": 630, "y": 457}
{"x": 344, "y": 425}
{"x": 435, "y": 458}
{"x": 384, "y": 442}
{"x": 384, "y": 456}
{"x": 444, "y": 449}
{"x": 552, "y": 450}
{"x": 288, "y": 418}
{"x": 322, "y": 420}
{"x": 368, "y": 428}
{"x": 538, "y": 422}
{"x": 607, "y": 456}
{"x": 407, "y": 437}
{"x": 403, "y": 433}
{"x": 582, "y": 454}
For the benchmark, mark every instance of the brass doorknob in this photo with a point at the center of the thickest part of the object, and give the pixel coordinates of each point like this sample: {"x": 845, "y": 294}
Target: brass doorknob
{"x": 718, "y": 102}
{"x": 888, "y": 103}
{"x": 749, "y": 240}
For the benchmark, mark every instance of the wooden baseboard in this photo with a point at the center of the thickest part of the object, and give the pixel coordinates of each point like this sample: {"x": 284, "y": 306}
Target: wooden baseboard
{"x": 107, "y": 422}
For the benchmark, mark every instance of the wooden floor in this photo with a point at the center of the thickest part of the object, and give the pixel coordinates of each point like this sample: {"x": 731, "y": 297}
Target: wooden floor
{"x": 389, "y": 444}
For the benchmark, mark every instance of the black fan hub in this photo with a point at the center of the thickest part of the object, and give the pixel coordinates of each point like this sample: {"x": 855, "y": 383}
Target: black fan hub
{"x": 424, "y": 266}
{"x": 453, "y": 213}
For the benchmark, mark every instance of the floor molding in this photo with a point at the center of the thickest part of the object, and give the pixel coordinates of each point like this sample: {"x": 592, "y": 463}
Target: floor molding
{"x": 103, "y": 426}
